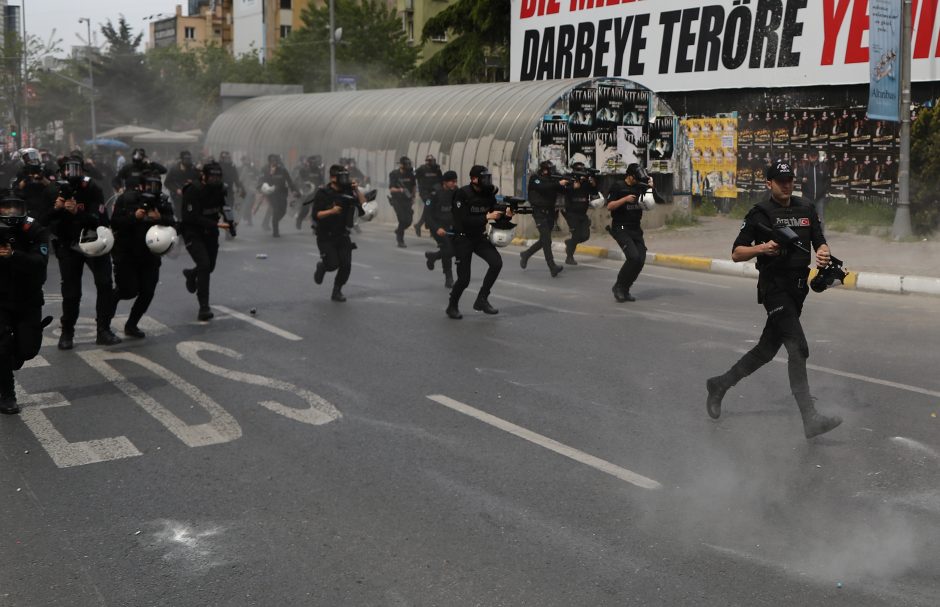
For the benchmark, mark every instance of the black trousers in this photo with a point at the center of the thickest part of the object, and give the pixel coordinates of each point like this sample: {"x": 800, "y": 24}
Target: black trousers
{"x": 71, "y": 267}
{"x": 464, "y": 248}
{"x": 203, "y": 247}
{"x": 136, "y": 277}
{"x": 302, "y": 213}
{"x": 20, "y": 340}
{"x": 336, "y": 255}
{"x": 634, "y": 249}
{"x": 404, "y": 211}
{"x": 545, "y": 222}
{"x": 444, "y": 252}
{"x": 423, "y": 220}
{"x": 580, "y": 226}
{"x": 278, "y": 210}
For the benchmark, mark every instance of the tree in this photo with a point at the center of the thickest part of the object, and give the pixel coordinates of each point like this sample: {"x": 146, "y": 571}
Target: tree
{"x": 480, "y": 31}
{"x": 925, "y": 170}
{"x": 12, "y": 66}
{"x": 373, "y": 47}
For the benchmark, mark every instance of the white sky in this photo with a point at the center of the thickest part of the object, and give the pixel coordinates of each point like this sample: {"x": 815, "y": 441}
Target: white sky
{"x": 44, "y": 16}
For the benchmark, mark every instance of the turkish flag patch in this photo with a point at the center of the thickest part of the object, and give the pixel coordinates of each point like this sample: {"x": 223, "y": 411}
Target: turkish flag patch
{"x": 804, "y": 222}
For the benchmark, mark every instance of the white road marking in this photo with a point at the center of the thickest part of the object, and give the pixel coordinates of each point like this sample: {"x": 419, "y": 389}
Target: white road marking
{"x": 552, "y": 445}
{"x": 319, "y": 411}
{"x": 649, "y": 274}
{"x": 533, "y": 304}
{"x": 66, "y": 454}
{"x": 37, "y": 362}
{"x": 523, "y": 286}
{"x": 259, "y": 323}
{"x": 221, "y": 428}
{"x": 361, "y": 265}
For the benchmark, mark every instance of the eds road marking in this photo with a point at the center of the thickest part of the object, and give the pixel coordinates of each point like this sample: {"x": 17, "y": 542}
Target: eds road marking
{"x": 259, "y": 323}
{"x": 552, "y": 445}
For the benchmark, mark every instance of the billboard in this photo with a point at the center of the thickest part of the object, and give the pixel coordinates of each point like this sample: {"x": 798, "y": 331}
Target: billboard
{"x": 693, "y": 45}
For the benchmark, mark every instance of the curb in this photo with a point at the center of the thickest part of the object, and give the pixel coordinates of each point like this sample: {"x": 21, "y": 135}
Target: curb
{"x": 861, "y": 281}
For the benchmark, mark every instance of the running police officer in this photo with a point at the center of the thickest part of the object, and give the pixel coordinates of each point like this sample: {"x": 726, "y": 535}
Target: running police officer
{"x": 577, "y": 202}
{"x": 279, "y": 185}
{"x": 24, "y": 254}
{"x": 440, "y": 221}
{"x": 203, "y": 205}
{"x": 474, "y": 207}
{"x": 402, "y": 185}
{"x": 136, "y": 268}
{"x": 180, "y": 174}
{"x": 626, "y": 202}
{"x": 334, "y": 208}
{"x": 543, "y": 192}
{"x": 133, "y": 172}
{"x": 781, "y": 288}
{"x": 428, "y": 176}
{"x": 79, "y": 223}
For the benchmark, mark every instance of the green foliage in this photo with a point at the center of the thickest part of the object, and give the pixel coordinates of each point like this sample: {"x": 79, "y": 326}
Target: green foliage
{"x": 373, "y": 48}
{"x": 479, "y": 30}
{"x": 925, "y": 171}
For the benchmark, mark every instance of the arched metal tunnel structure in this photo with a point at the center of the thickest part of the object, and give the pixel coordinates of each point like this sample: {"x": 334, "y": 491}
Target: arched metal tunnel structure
{"x": 500, "y": 125}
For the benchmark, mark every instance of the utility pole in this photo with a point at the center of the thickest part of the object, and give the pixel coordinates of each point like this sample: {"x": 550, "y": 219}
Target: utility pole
{"x": 24, "y": 123}
{"x": 332, "y": 49}
{"x": 902, "y": 216}
{"x": 91, "y": 81}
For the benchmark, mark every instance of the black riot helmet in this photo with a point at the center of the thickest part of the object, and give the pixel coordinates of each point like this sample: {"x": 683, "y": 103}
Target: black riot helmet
{"x": 405, "y": 163}
{"x": 546, "y": 167}
{"x": 153, "y": 185}
{"x": 341, "y": 174}
{"x": 638, "y": 172}
{"x": 73, "y": 170}
{"x": 138, "y": 155}
{"x": 186, "y": 158}
{"x": 12, "y": 211}
{"x": 212, "y": 174}
{"x": 274, "y": 159}
{"x": 483, "y": 176}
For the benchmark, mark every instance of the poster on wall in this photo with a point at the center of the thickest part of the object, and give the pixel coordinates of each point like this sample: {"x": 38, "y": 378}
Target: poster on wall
{"x": 714, "y": 155}
{"x": 608, "y": 157}
{"x": 610, "y": 106}
{"x": 582, "y": 148}
{"x": 582, "y": 105}
{"x": 553, "y": 139}
{"x": 636, "y": 108}
{"x": 631, "y": 144}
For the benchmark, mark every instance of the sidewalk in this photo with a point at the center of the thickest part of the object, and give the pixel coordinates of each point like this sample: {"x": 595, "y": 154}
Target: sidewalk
{"x": 875, "y": 263}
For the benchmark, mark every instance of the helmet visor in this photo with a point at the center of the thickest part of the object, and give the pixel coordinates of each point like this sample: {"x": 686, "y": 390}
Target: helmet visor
{"x": 12, "y": 208}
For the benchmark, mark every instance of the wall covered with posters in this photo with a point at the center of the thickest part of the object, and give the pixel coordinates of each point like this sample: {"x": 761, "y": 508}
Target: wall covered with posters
{"x": 713, "y": 144}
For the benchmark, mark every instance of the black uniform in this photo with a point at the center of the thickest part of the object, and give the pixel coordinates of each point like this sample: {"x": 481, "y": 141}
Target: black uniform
{"x": 333, "y": 235}
{"x": 136, "y": 269}
{"x": 439, "y": 213}
{"x": 428, "y": 178}
{"x": 625, "y": 228}
{"x": 542, "y": 193}
{"x": 67, "y": 230}
{"x": 308, "y": 174}
{"x": 176, "y": 179}
{"x": 577, "y": 203}
{"x": 202, "y": 212}
{"x": 22, "y": 276}
{"x": 402, "y": 201}
{"x": 781, "y": 288}
{"x": 279, "y": 177}
{"x": 470, "y": 209}
{"x": 133, "y": 173}
{"x": 817, "y": 180}
{"x": 39, "y": 195}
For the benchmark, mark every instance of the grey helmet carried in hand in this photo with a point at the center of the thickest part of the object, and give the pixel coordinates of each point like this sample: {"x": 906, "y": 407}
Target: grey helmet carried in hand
{"x": 95, "y": 242}
{"x": 161, "y": 239}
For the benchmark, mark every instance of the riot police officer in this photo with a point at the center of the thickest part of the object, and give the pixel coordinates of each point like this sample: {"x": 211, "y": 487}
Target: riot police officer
{"x": 24, "y": 254}
{"x": 203, "y": 214}
{"x": 781, "y": 288}
{"x": 582, "y": 189}
{"x": 626, "y": 202}
{"x": 543, "y": 190}
{"x": 402, "y": 185}
{"x": 79, "y": 223}
{"x": 34, "y": 185}
{"x": 310, "y": 176}
{"x": 278, "y": 182}
{"x": 334, "y": 208}
{"x": 474, "y": 207}
{"x": 428, "y": 177}
{"x": 180, "y": 174}
{"x": 440, "y": 221}
{"x": 136, "y": 268}
{"x": 133, "y": 172}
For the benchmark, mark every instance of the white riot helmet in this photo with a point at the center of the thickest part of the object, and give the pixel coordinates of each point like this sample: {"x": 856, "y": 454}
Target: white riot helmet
{"x": 501, "y": 237}
{"x": 370, "y": 210}
{"x": 97, "y": 242}
{"x": 598, "y": 201}
{"x": 648, "y": 201}
{"x": 161, "y": 239}
{"x": 268, "y": 188}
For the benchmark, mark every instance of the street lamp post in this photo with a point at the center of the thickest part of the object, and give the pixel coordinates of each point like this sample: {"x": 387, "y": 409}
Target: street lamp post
{"x": 91, "y": 81}
{"x": 24, "y": 123}
{"x": 902, "y": 216}
{"x": 332, "y": 49}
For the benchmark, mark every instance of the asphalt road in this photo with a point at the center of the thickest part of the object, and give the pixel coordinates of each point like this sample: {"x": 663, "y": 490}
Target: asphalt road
{"x": 376, "y": 452}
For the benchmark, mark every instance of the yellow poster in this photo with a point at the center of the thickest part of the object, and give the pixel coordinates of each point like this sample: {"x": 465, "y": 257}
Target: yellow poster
{"x": 714, "y": 152}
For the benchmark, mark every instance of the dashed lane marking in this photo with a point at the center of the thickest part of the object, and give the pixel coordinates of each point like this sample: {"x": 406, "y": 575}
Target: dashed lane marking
{"x": 259, "y": 323}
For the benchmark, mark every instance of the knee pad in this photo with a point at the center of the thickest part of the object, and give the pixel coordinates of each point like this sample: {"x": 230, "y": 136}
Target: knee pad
{"x": 797, "y": 347}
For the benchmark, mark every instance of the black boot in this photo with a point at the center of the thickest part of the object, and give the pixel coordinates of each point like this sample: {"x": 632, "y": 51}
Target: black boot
{"x": 482, "y": 304}
{"x": 716, "y": 392}
{"x": 319, "y": 273}
{"x": 190, "y": 275}
{"x": 429, "y": 259}
{"x": 452, "y": 311}
{"x": 131, "y": 330}
{"x": 523, "y": 260}
{"x": 338, "y": 294}
{"x": 569, "y": 260}
{"x": 106, "y": 337}
{"x": 418, "y": 230}
{"x": 65, "y": 340}
{"x": 205, "y": 313}
{"x": 448, "y": 281}
{"x": 814, "y": 423}
{"x": 619, "y": 293}
{"x": 555, "y": 270}
{"x": 718, "y": 385}
{"x": 8, "y": 404}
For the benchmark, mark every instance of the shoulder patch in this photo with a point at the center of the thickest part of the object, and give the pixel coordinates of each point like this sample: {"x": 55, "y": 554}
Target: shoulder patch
{"x": 44, "y": 250}
{"x": 743, "y": 224}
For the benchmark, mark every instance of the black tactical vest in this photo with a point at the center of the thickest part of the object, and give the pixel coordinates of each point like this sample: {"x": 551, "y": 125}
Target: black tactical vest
{"x": 798, "y": 217}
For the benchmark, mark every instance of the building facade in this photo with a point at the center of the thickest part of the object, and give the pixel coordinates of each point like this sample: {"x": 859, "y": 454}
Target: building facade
{"x": 210, "y": 24}
{"x": 414, "y": 14}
